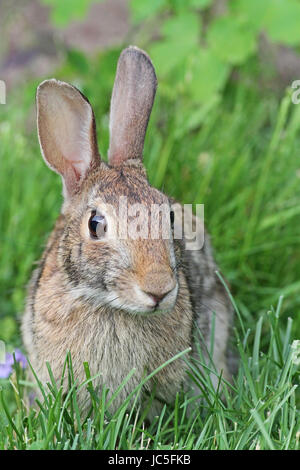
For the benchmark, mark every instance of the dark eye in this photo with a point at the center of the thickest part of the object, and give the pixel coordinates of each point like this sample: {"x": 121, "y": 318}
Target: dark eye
{"x": 172, "y": 218}
{"x": 97, "y": 225}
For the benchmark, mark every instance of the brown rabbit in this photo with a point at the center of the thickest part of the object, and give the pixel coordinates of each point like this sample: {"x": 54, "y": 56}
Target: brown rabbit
{"x": 117, "y": 302}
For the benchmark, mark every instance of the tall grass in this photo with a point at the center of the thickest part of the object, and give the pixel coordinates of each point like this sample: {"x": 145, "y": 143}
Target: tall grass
{"x": 257, "y": 411}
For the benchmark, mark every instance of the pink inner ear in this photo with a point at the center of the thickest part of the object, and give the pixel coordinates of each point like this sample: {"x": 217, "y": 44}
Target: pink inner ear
{"x": 73, "y": 166}
{"x": 72, "y": 135}
{"x": 66, "y": 131}
{"x": 71, "y": 178}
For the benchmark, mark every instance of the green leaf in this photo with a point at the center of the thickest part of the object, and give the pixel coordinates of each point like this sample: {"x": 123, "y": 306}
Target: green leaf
{"x": 253, "y": 11}
{"x": 184, "y": 5}
{"x": 183, "y": 28}
{"x": 279, "y": 18}
{"x": 78, "y": 61}
{"x": 167, "y": 55}
{"x": 232, "y": 41}
{"x": 37, "y": 445}
{"x": 142, "y": 10}
{"x": 181, "y": 33}
{"x": 201, "y": 4}
{"x": 7, "y": 328}
{"x": 209, "y": 75}
{"x": 63, "y": 12}
{"x": 282, "y": 21}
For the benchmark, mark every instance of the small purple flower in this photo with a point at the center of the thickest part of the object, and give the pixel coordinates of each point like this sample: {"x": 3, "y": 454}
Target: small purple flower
{"x": 5, "y": 371}
{"x": 7, "y": 368}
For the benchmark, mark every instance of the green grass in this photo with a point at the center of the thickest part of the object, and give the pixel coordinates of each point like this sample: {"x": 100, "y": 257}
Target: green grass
{"x": 239, "y": 155}
{"x": 259, "y": 410}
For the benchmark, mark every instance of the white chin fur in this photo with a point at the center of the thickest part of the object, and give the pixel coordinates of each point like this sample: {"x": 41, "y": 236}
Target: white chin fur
{"x": 143, "y": 305}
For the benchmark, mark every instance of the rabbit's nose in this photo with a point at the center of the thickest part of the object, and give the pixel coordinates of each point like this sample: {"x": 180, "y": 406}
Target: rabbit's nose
{"x": 157, "y": 297}
{"x": 158, "y": 284}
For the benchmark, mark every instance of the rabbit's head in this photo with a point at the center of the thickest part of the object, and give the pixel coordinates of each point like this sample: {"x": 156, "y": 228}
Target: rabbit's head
{"x": 116, "y": 245}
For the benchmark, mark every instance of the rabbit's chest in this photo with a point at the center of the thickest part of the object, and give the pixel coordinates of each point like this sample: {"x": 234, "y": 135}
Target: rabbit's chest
{"x": 121, "y": 345}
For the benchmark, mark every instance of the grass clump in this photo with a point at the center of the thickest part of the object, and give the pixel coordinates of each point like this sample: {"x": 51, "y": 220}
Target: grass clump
{"x": 257, "y": 411}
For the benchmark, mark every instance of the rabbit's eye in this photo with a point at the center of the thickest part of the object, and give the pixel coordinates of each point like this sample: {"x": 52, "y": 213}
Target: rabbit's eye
{"x": 97, "y": 225}
{"x": 172, "y": 218}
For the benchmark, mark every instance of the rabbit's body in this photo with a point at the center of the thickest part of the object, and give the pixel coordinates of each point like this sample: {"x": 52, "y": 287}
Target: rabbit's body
{"x": 118, "y": 304}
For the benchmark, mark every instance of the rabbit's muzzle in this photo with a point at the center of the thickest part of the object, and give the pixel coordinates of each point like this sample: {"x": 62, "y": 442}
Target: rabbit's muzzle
{"x": 160, "y": 287}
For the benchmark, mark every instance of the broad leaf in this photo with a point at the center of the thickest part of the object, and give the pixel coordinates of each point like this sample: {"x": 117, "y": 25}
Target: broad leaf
{"x": 201, "y": 4}
{"x": 181, "y": 35}
{"x": 167, "y": 55}
{"x": 208, "y": 76}
{"x": 253, "y": 11}
{"x": 282, "y": 21}
{"x": 142, "y": 10}
{"x": 183, "y": 28}
{"x": 63, "y": 12}
{"x": 232, "y": 41}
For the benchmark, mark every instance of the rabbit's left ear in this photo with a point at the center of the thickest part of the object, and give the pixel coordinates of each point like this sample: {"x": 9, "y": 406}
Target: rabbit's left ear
{"x": 67, "y": 132}
{"x": 131, "y": 105}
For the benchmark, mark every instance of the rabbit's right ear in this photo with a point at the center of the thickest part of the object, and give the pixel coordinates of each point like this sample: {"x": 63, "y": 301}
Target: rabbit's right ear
{"x": 131, "y": 105}
{"x": 67, "y": 132}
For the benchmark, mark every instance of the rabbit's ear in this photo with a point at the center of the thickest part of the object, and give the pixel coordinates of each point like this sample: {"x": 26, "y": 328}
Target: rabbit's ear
{"x": 131, "y": 105}
{"x": 67, "y": 132}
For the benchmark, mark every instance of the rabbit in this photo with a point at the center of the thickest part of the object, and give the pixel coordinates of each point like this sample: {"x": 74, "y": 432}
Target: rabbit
{"x": 118, "y": 303}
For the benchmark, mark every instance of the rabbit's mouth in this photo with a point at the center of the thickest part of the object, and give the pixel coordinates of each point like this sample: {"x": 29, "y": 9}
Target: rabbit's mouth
{"x": 136, "y": 301}
{"x": 132, "y": 300}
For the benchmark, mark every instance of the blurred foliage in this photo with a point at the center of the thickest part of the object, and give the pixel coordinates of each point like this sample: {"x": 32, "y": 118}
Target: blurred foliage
{"x": 198, "y": 47}
{"x": 197, "y": 44}
{"x": 64, "y": 11}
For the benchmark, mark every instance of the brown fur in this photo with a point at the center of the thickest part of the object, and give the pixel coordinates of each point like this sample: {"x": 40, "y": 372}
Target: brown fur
{"x": 88, "y": 296}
